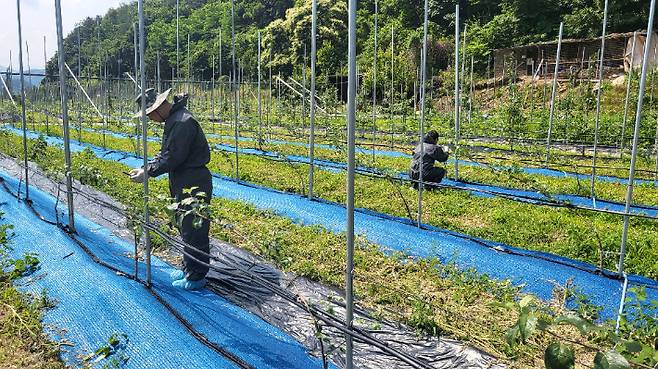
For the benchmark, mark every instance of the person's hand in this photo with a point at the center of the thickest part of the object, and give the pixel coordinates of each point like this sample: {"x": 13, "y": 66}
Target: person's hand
{"x": 137, "y": 175}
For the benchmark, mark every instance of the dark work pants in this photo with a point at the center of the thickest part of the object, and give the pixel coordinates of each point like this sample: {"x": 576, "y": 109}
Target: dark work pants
{"x": 197, "y": 240}
{"x": 434, "y": 175}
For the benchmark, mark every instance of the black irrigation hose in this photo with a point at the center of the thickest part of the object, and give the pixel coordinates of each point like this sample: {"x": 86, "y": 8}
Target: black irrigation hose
{"x": 199, "y": 336}
{"x": 326, "y": 317}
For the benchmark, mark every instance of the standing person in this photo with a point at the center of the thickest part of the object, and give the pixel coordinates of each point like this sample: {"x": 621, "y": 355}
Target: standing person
{"x": 431, "y": 153}
{"x": 183, "y": 156}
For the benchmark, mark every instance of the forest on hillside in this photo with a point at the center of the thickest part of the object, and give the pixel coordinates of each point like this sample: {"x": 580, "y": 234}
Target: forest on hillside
{"x": 106, "y": 42}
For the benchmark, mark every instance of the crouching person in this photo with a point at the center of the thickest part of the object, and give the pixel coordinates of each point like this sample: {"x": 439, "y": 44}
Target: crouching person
{"x": 183, "y": 156}
{"x": 425, "y": 160}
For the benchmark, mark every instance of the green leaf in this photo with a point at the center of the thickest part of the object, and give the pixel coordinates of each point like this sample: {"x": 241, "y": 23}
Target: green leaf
{"x": 559, "y": 356}
{"x": 527, "y": 325}
{"x": 582, "y": 324}
{"x": 512, "y": 335}
{"x": 610, "y": 360}
{"x": 633, "y": 346}
{"x": 526, "y": 301}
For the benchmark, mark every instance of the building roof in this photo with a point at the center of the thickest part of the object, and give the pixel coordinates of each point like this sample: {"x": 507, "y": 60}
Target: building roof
{"x": 611, "y": 36}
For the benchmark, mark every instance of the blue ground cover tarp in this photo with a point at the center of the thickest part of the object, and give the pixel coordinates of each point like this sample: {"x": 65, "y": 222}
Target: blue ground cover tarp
{"x": 537, "y": 272}
{"x": 485, "y": 190}
{"x": 398, "y": 154}
{"x": 93, "y": 302}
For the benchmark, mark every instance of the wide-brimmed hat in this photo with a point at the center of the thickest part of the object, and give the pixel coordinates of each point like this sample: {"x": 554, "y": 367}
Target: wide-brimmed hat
{"x": 153, "y": 101}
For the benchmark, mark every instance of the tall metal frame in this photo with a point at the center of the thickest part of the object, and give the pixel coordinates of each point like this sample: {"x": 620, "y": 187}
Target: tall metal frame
{"x": 22, "y": 79}
{"x": 597, "y": 119}
{"x": 551, "y": 114}
{"x": 351, "y": 125}
{"x": 636, "y": 136}
{"x": 311, "y": 138}
{"x": 65, "y": 114}
{"x": 142, "y": 75}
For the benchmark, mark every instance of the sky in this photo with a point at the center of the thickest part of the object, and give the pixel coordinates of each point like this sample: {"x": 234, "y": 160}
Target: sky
{"x": 38, "y": 20}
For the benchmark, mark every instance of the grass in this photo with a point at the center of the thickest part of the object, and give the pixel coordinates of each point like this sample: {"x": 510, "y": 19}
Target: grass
{"x": 23, "y": 343}
{"x": 582, "y": 235}
{"x": 433, "y": 297}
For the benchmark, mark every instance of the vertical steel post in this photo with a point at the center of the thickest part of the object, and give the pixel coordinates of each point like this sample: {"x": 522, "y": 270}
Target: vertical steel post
{"x": 392, "y": 87}
{"x": 221, "y": 85}
{"x": 463, "y": 66}
{"x": 629, "y": 78}
{"x": 142, "y": 75}
{"x": 29, "y": 73}
{"x": 212, "y": 96}
{"x": 177, "y": 42}
{"x": 189, "y": 69}
{"x": 260, "y": 111}
{"x": 457, "y": 97}
{"x": 234, "y": 90}
{"x": 351, "y": 123}
{"x": 636, "y": 136}
{"x": 311, "y": 143}
{"x": 269, "y": 96}
{"x": 136, "y": 66}
{"x": 303, "y": 107}
{"x": 374, "y": 87}
{"x": 470, "y": 93}
{"x": 65, "y": 114}
{"x": 157, "y": 67}
{"x": 423, "y": 77}
{"x": 553, "y": 94}
{"x": 597, "y": 119}
{"x": 79, "y": 100}
{"x": 45, "y": 90}
{"x": 20, "y": 69}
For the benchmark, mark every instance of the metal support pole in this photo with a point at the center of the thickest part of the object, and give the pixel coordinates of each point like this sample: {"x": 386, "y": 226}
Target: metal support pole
{"x": 457, "y": 97}
{"x": 470, "y": 93}
{"x": 212, "y": 96}
{"x": 260, "y": 111}
{"x": 463, "y": 66}
{"x": 311, "y": 143}
{"x": 4, "y": 84}
{"x": 421, "y": 134}
{"x": 374, "y": 88}
{"x": 636, "y": 136}
{"x": 137, "y": 87}
{"x": 390, "y": 107}
{"x": 65, "y": 115}
{"x": 597, "y": 119}
{"x": 157, "y": 58}
{"x": 351, "y": 124}
{"x": 45, "y": 87}
{"x": 29, "y": 73}
{"x": 142, "y": 75}
{"x": 189, "y": 69}
{"x": 177, "y": 42}
{"x": 86, "y": 95}
{"x": 20, "y": 69}
{"x": 234, "y": 90}
{"x": 629, "y": 78}
{"x": 221, "y": 85}
{"x": 78, "y": 94}
{"x": 269, "y": 96}
{"x": 553, "y": 93}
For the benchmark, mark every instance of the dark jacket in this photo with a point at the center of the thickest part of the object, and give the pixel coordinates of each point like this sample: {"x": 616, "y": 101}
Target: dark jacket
{"x": 184, "y": 152}
{"x": 432, "y": 153}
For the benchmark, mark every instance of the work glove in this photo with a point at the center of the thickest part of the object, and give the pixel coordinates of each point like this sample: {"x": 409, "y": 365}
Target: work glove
{"x": 137, "y": 175}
